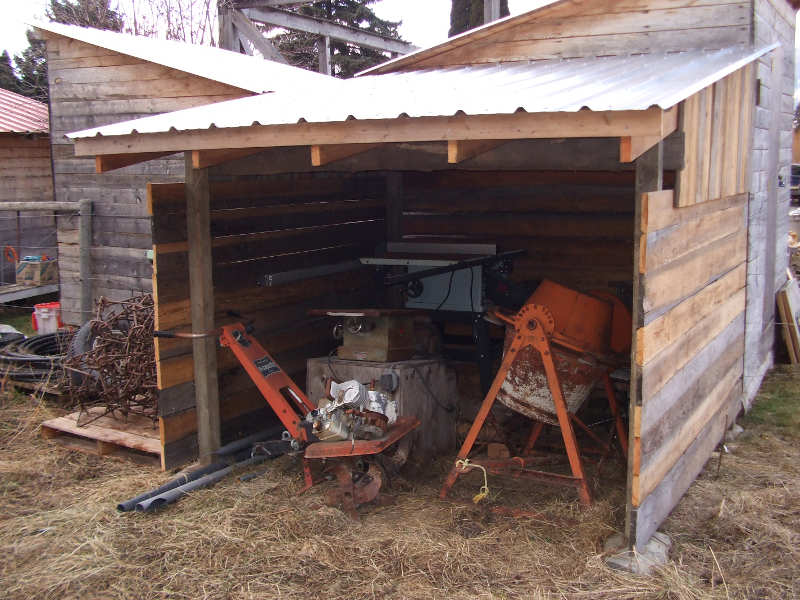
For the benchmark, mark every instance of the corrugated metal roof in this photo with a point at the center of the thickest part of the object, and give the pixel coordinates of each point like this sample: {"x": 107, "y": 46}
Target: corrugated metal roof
{"x": 613, "y": 83}
{"x": 19, "y": 114}
{"x": 245, "y": 72}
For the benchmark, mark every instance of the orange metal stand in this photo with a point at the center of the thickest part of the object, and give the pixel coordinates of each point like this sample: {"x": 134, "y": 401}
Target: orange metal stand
{"x": 534, "y": 327}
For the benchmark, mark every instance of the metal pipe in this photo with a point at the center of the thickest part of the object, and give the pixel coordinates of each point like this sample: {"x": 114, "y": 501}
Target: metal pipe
{"x": 259, "y": 436}
{"x": 179, "y": 492}
{"x": 129, "y": 505}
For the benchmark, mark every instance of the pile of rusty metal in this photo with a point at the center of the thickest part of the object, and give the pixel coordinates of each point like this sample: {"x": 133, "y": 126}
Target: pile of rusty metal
{"x": 111, "y": 360}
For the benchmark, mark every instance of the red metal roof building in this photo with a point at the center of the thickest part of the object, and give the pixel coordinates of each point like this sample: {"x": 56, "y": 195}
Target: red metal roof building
{"x": 20, "y": 114}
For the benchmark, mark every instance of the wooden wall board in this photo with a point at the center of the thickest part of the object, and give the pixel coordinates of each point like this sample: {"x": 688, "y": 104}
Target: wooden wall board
{"x": 574, "y": 29}
{"x": 91, "y": 86}
{"x": 653, "y": 509}
{"x": 717, "y": 123}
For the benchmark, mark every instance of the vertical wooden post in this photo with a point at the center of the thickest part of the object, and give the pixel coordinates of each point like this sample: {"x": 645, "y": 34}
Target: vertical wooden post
{"x": 649, "y": 178}
{"x": 85, "y": 268}
{"x": 491, "y": 10}
{"x": 201, "y": 294}
{"x": 394, "y": 231}
{"x": 324, "y": 49}
{"x": 228, "y": 40}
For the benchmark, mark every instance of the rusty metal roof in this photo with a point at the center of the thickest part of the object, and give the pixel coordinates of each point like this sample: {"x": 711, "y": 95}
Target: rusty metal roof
{"x": 614, "y": 83}
{"x": 20, "y": 114}
{"x": 251, "y": 73}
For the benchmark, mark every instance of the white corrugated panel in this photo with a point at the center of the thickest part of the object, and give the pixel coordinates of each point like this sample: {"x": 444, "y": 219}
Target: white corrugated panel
{"x": 612, "y": 83}
{"x": 250, "y": 73}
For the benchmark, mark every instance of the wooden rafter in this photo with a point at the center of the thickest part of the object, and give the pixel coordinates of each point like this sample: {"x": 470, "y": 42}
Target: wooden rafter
{"x": 247, "y": 29}
{"x": 583, "y": 124}
{"x": 322, "y": 27}
{"x": 324, "y": 154}
{"x": 110, "y": 162}
{"x": 461, "y": 150}
{"x": 208, "y": 158}
{"x": 632, "y": 147}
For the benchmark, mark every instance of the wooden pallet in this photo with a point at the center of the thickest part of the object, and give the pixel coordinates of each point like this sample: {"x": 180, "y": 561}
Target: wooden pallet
{"x": 136, "y": 438}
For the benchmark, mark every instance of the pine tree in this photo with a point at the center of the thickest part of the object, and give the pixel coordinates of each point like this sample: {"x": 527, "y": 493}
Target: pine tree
{"x": 86, "y": 13}
{"x": 8, "y": 79}
{"x": 32, "y": 63}
{"x": 468, "y": 14}
{"x": 32, "y": 68}
{"x": 346, "y": 59}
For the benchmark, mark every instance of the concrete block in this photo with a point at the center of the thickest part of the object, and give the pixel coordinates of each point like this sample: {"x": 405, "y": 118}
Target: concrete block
{"x": 640, "y": 561}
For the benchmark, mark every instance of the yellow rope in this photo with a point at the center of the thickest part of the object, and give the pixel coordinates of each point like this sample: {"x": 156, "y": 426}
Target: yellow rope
{"x": 464, "y": 465}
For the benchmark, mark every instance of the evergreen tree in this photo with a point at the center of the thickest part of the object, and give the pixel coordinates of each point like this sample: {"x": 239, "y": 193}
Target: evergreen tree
{"x": 346, "y": 59}
{"x": 8, "y": 79}
{"x": 32, "y": 63}
{"x": 468, "y": 14}
{"x": 32, "y": 69}
{"x": 86, "y": 13}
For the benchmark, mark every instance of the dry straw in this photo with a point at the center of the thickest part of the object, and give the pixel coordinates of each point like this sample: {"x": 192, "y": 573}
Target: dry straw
{"x": 60, "y": 536}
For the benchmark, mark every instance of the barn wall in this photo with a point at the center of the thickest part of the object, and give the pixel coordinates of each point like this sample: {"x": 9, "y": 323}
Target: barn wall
{"x": 610, "y": 27}
{"x": 771, "y": 172}
{"x": 689, "y": 346}
{"x": 259, "y": 225}
{"x": 89, "y": 87}
{"x": 25, "y": 176}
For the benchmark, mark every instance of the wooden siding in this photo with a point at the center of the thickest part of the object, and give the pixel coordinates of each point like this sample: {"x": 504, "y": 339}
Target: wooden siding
{"x": 91, "y": 86}
{"x": 25, "y": 176}
{"x": 608, "y": 27}
{"x": 689, "y": 348}
{"x": 575, "y": 226}
{"x": 717, "y": 124}
{"x": 259, "y": 225}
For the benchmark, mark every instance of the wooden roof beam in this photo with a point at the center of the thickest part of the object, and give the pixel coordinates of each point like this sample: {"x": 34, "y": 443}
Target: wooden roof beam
{"x": 246, "y": 29}
{"x": 632, "y": 147}
{"x": 202, "y": 159}
{"x": 322, "y": 27}
{"x": 110, "y": 162}
{"x": 582, "y": 124}
{"x": 325, "y": 154}
{"x": 461, "y": 150}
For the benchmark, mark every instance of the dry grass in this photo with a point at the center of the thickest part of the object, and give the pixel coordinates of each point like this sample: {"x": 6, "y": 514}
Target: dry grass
{"x": 60, "y": 537}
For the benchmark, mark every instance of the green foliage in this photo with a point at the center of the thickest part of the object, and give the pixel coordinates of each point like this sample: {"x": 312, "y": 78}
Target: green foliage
{"x": 300, "y": 48}
{"x": 8, "y": 79}
{"x": 32, "y": 69}
{"x": 468, "y": 14}
{"x": 86, "y": 13}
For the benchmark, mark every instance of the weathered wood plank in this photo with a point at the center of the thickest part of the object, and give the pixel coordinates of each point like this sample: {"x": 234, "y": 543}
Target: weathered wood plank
{"x": 693, "y": 271}
{"x": 660, "y": 212}
{"x": 668, "y": 454}
{"x": 673, "y": 325}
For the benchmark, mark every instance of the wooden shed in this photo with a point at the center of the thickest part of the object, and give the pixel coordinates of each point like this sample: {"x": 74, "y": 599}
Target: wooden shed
{"x": 630, "y": 145}
{"x": 26, "y": 175}
{"x": 101, "y": 77}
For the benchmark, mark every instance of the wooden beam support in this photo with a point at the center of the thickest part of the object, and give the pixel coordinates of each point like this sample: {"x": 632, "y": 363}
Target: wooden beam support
{"x": 582, "y": 124}
{"x": 110, "y": 162}
{"x": 247, "y": 29}
{"x": 359, "y": 37}
{"x": 202, "y": 159}
{"x": 323, "y": 45}
{"x": 632, "y": 147}
{"x": 325, "y": 154}
{"x": 201, "y": 295}
{"x": 461, "y": 150}
{"x": 85, "y": 264}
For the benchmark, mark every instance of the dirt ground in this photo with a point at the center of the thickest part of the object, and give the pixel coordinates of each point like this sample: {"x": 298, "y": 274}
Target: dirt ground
{"x": 735, "y": 535}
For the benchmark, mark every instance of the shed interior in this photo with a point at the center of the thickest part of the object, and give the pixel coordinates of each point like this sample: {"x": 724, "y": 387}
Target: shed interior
{"x": 568, "y": 203}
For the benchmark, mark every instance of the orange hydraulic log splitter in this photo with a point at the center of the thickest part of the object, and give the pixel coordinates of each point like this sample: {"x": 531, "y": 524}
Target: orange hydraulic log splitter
{"x": 297, "y": 414}
{"x": 558, "y": 346}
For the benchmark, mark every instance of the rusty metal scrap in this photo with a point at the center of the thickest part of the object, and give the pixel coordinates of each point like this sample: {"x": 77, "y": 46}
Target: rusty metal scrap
{"x": 116, "y": 368}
